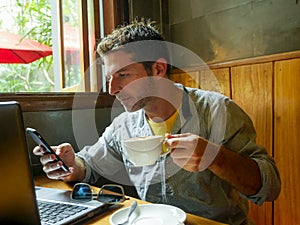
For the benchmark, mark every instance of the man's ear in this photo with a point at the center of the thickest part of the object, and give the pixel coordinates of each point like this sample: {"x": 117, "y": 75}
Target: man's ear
{"x": 159, "y": 68}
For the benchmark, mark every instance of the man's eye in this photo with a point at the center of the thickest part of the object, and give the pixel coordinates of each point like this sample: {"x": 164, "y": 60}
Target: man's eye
{"x": 119, "y": 75}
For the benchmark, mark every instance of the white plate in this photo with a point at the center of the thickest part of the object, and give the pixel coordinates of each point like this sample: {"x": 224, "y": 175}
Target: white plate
{"x": 149, "y": 214}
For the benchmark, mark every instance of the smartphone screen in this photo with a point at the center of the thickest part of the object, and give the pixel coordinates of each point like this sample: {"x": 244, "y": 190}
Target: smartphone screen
{"x": 40, "y": 141}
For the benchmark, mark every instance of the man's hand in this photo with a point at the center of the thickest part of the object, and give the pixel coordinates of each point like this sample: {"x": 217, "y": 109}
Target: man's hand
{"x": 51, "y": 167}
{"x": 193, "y": 153}
{"x": 186, "y": 150}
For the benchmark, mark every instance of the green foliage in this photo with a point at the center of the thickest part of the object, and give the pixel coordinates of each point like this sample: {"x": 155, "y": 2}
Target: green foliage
{"x": 21, "y": 78}
{"x": 32, "y": 19}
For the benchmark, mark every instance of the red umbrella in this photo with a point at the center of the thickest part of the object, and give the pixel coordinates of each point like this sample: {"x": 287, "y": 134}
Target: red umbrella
{"x": 15, "y": 50}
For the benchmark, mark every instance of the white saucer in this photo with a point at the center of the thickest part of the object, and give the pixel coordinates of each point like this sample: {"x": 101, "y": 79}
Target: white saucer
{"x": 149, "y": 214}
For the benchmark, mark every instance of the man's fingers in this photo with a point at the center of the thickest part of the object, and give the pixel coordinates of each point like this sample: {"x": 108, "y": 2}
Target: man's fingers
{"x": 47, "y": 158}
{"x": 179, "y": 143}
{"x": 186, "y": 140}
{"x": 52, "y": 167}
{"x": 54, "y": 171}
{"x": 183, "y": 154}
{"x": 57, "y": 174}
{"x": 171, "y": 143}
{"x": 169, "y": 136}
{"x": 38, "y": 150}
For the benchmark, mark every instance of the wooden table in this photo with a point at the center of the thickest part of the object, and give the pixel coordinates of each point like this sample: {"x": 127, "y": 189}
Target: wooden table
{"x": 103, "y": 219}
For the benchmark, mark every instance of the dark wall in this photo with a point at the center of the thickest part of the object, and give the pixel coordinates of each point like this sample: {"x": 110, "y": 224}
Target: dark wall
{"x": 57, "y": 127}
{"x": 219, "y": 30}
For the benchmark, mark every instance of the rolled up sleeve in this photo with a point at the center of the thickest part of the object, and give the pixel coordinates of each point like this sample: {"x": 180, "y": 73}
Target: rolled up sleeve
{"x": 104, "y": 158}
{"x": 271, "y": 183}
{"x": 241, "y": 136}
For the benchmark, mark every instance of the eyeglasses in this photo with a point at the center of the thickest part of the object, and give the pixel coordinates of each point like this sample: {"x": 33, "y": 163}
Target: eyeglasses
{"x": 109, "y": 193}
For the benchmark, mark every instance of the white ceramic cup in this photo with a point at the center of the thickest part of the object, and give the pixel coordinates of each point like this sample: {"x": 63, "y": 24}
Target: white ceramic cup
{"x": 142, "y": 151}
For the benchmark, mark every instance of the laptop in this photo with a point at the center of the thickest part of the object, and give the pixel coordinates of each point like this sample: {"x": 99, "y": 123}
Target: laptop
{"x": 20, "y": 200}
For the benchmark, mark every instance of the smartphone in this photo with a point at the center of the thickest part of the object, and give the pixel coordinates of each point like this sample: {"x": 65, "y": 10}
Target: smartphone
{"x": 40, "y": 141}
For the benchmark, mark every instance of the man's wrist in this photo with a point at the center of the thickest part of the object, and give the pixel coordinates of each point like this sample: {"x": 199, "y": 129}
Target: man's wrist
{"x": 80, "y": 168}
{"x": 210, "y": 153}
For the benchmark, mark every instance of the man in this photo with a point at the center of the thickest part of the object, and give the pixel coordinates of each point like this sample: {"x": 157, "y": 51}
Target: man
{"x": 214, "y": 166}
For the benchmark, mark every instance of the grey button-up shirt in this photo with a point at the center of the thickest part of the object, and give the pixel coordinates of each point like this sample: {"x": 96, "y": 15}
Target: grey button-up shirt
{"x": 211, "y": 116}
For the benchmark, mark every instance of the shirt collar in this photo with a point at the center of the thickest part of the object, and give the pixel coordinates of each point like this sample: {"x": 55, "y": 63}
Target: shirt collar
{"x": 183, "y": 116}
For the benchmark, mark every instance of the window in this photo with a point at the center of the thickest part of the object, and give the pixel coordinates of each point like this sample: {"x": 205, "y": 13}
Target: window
{"x": 72, "y": 28}
{"x": 74, "y": 45}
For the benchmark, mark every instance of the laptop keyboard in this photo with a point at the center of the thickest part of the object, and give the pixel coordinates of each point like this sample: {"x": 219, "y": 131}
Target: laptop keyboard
{"x": 53, "y": 212}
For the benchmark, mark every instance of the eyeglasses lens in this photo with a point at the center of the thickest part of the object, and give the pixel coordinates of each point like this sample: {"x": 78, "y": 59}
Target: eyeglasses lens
{"x": 112, "y": 194}
{"x": 82, "y": 192}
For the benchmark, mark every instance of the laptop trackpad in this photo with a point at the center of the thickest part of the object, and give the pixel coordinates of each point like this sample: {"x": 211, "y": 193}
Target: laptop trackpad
{"x": 60, "y": 195}
{"x": 52, "y": 194}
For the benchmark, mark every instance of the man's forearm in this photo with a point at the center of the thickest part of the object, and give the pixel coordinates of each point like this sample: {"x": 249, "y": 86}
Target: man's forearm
{"x": 240, "y": 171}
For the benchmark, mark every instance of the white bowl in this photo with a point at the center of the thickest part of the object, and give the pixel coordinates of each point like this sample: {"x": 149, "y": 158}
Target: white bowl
{"x": 150, "y": 214}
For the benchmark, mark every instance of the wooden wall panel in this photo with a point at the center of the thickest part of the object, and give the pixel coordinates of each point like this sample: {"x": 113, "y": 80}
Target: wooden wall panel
{"x": 213, "y": 80}
{"x": 252, "y": 90}
{"x": 268, "y": 89}
{"x": 190, "y": 79}
{"x": 223, "y": 77}
{"x": 286, "y": 140}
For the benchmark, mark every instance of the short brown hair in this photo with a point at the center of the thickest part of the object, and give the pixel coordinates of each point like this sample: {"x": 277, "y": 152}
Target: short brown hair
{"x": 149, "y": 43}
{"x": 138, "y": 30}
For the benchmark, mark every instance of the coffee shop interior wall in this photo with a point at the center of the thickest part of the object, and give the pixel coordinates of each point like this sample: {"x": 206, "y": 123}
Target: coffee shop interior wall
{"x": 253, "y": 50}
{"x": 219, "y": 30}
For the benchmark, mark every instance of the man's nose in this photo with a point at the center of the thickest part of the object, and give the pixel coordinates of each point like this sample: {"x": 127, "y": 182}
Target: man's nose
{"x": 114, "y": 86}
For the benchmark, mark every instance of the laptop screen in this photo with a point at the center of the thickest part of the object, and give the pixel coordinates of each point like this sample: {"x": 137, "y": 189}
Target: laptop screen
{"x": 19, "y": 196}
{"x": 17, "y": 204}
